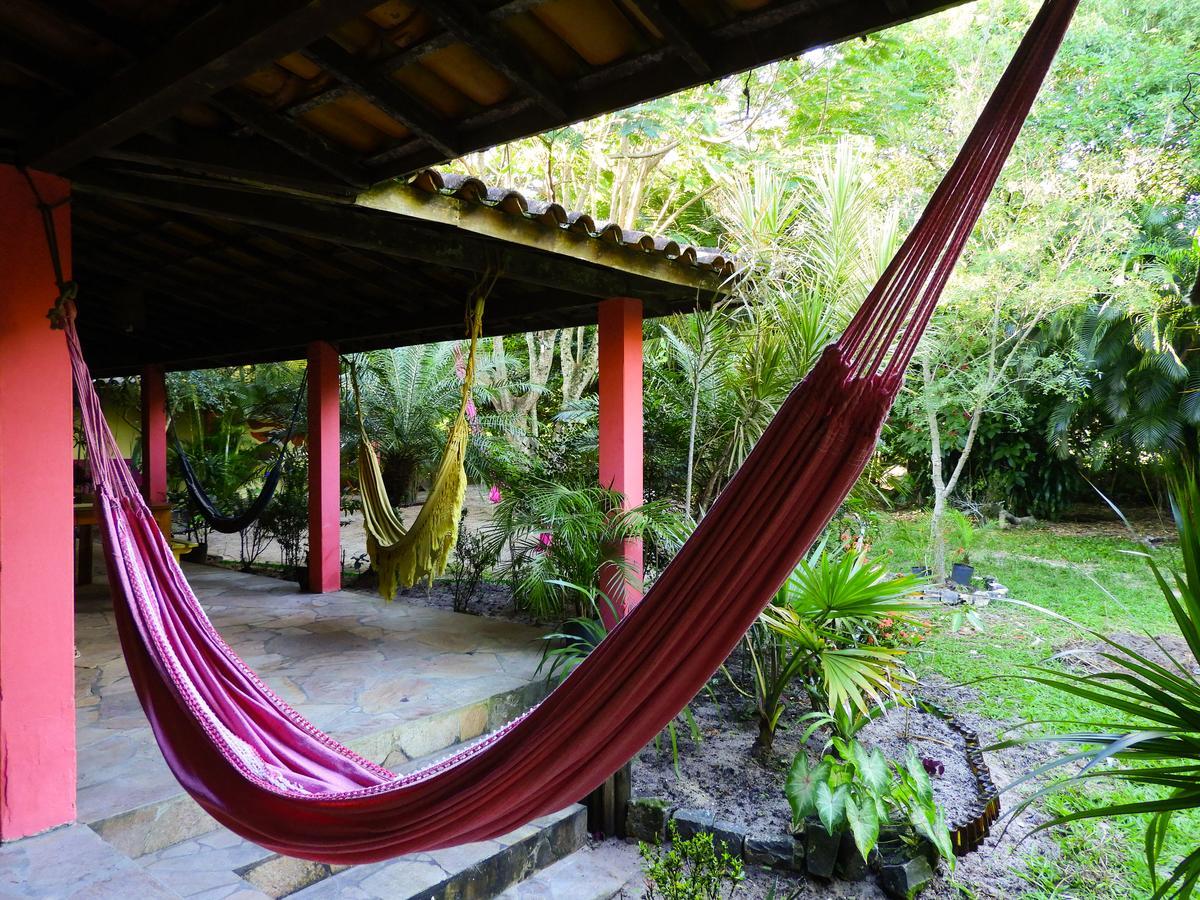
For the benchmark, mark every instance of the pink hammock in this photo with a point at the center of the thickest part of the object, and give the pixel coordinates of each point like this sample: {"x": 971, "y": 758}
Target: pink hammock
{"x": 260, "y": 769}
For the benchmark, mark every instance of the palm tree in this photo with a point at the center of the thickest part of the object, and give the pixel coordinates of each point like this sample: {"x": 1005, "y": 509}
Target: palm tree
{"x": 409, "y": 397}
{"x": 1139, "y": 348}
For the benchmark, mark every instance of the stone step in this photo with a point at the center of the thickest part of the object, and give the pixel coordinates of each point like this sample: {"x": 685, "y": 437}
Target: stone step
{"x": 173, "y": 819}
{"x": 479, "y": 870}
{"x": 594, "y": 873}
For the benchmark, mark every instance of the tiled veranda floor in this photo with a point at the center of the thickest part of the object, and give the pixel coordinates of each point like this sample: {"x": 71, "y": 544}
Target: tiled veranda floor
{"x": 393, "y": 681}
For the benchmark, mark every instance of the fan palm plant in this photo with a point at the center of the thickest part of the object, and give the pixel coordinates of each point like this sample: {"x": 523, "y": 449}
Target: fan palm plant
{"x": 1146, "y": 730}
{"x": 409, "y": 396}
{"x": 559, "y": 536}
{"x": 819, "y": 631}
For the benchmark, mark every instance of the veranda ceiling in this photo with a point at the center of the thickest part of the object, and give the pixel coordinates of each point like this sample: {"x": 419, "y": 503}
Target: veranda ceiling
{"x": 150, "y": 105}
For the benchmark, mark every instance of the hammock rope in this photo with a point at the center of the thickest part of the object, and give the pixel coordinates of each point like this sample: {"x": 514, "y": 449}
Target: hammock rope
{"x": 260, "y": 769}
{"x": 402, "y": 556}
{"x": 232, "y": 524}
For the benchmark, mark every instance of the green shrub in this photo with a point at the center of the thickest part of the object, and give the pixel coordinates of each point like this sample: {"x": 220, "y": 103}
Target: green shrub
{"x": 690, "y": 869}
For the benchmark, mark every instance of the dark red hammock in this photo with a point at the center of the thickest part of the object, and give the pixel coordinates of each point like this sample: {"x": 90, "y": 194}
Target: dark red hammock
{"x": 263, "y": 771}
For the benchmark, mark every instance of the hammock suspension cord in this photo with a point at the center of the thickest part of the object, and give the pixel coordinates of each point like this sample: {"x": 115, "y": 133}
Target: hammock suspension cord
{"x": 231, "y": 524}
{"x": 256, "y": 765}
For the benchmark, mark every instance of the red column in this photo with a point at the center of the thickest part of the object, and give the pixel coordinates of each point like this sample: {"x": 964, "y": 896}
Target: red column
{"x": 154, "y": 434}
{"x": 37, "y": 622}
{"x": 324, "y": 469}
{"x": 621, "y": 435}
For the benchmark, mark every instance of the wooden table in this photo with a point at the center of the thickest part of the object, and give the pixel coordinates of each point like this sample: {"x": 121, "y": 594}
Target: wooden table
{"x": 85, "y": 518}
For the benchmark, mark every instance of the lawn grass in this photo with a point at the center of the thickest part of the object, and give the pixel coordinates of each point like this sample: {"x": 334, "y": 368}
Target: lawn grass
{"x": 1098, "y": 582}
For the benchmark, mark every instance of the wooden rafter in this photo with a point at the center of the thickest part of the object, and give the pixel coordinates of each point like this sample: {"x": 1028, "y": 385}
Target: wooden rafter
{"x": 306, "y": 144}
{"x": 225, "y": 46}
{"x": 491, "y": 41}
{"x": 383, "y": 93}
{"x": 396, "y": 236}
{"x": 675, "y": 25}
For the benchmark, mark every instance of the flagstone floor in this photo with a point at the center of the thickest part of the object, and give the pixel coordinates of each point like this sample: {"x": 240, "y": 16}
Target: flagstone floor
{"x": 394, "y": 682}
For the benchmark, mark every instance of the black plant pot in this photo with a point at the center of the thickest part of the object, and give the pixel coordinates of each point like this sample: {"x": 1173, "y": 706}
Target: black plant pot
{"x": 962, "y": 573}
{"x": 921, "y": 571}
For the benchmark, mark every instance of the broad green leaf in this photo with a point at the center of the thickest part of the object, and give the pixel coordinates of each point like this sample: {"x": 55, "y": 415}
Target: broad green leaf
{"x": 831, "y": 806}
{"x": 864, "y": 825}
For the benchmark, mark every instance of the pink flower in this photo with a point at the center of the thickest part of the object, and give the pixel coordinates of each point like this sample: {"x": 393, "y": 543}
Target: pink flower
{"x": 545, "y": 539}
{"x": 472, "y": 412}
{"x": 494, "y": 494}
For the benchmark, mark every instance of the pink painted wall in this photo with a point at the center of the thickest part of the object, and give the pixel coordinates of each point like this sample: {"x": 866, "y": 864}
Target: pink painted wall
{"x": 620, "y": 335}
{"x": 324, "y": 469}
{"x": 154, "y": 434}
{"x": 37, "y": 624}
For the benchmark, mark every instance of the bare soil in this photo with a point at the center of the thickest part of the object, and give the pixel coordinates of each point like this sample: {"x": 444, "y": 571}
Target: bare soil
{"x": 723, "y": 774}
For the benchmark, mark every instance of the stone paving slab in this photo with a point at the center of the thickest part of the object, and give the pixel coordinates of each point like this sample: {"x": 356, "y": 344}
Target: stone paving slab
{"x": 596, "y": 873}
{"x": 73, "y": 862}
{"x": 392, "y": 681}
{"x": 479, "y": 870}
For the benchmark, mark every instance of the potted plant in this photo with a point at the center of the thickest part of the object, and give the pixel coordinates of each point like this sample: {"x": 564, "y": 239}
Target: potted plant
{"x": 855, "y": 800}
{"x": 963, "y": 533}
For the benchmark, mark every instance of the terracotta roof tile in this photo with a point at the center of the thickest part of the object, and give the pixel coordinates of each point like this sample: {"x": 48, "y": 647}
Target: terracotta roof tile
{"x": 470, "y": 189}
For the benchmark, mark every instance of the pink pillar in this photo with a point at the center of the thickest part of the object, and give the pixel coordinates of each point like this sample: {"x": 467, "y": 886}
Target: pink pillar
{"x": 324, "y": 469}
{"x": 154, "y": 434}
{"x": 621, "y": 435}
{"x": 37, "y": 616}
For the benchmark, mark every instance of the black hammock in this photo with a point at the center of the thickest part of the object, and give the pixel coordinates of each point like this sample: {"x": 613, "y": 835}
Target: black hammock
{"x": 203, "y": 502}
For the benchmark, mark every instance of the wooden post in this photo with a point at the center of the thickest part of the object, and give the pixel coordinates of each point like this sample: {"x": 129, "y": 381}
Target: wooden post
{"x": 154, "y": 435}
{"x": 37, "y": 613}
{"x": 620, "y": 336}
{"x": 324, "y": 469}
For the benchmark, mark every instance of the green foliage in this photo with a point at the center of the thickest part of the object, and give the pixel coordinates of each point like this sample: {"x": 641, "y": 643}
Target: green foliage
{"x": 690, "y": 869}
{"x": 1137, "y": 350}
{"x": 857, "y": 790}
{"x": 558, "y": 536}
{"x": 822, "y": 631}
{"x": 409, "y": 397}
{"x": 286, "y": 516}
{"x": 473, "y": 556}
{"x": 213, "y": 412}
{"x": 1146, "y": 729}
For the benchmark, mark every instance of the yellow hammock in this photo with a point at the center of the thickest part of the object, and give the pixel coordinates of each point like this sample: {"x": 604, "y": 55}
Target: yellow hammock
{"x": 402, "y": 557}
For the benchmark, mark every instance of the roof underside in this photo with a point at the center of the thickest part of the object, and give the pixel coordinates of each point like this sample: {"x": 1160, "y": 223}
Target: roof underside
{"x": 143, "y": 103}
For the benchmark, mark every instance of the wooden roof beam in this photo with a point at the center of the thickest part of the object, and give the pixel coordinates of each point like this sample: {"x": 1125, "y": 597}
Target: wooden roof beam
{"x": 218, "y": 50}
{"x": 382, "y": 92}
{"x": 297, "y": 139}
{"x": 490, "y": 40}
{"x": 677, "y": 29}
{"x": 401, "y": 237}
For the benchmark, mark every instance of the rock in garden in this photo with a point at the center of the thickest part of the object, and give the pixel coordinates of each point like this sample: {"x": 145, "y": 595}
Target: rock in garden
{"x": 731, "y": 835}
{"x": 821, "y": 850}
{"x": 646, "y": 819}
{"x": 905, "y": 880}
{"x": 690, "y": 822}
{"x": 850, "y": 863}
{"x": 776, "y": 851}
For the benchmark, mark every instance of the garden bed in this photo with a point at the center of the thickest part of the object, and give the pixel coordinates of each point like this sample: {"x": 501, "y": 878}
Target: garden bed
{"x": 722, "y": 774}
